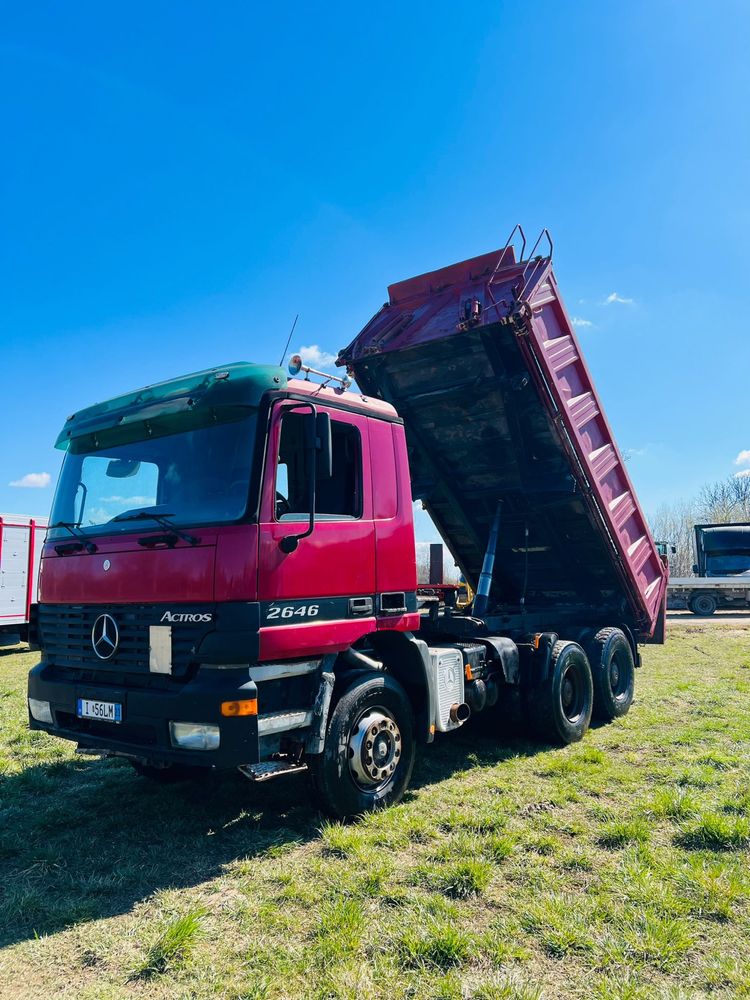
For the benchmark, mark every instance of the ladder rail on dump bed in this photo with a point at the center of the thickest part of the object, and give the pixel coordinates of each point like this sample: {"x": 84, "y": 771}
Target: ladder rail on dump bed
{"x": 531, "y": 433}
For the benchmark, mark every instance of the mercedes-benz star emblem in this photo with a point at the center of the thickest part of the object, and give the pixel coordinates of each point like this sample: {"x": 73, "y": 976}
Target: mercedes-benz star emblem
{"x": 105, "y": 637}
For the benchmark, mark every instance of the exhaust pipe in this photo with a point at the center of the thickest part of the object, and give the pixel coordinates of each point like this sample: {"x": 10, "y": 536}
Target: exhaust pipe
{"x": 460, "y": 712}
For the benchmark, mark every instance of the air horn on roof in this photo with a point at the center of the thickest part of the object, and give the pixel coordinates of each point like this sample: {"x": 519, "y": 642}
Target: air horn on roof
{"x": 296, "y": 366}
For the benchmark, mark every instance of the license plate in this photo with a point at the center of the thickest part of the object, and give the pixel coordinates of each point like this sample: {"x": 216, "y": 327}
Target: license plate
{"x": 102, "y": 711}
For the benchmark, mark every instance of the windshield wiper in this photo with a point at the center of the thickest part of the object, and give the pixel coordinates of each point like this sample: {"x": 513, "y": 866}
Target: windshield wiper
{"x": 75, "y": 531}
{"x": 162, "y": 519}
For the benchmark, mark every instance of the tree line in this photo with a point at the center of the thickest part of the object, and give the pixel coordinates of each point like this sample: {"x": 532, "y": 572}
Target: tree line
{"x": 717, "y": 503}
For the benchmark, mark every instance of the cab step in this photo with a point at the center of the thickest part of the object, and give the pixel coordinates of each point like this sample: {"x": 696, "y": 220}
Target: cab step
{"x": 270, "y": 769}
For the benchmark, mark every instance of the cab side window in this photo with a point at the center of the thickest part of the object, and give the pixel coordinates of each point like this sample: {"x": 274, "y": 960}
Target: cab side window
{"x": 336, "y": 498}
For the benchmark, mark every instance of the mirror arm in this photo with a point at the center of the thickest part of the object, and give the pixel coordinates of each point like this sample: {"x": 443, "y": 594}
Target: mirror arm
{"x": 84, "y": 497}
{"x": 290, "y": 542}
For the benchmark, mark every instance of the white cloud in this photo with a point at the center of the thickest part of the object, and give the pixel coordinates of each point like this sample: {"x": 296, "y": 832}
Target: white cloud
{"x": 577, "y": 321}
{"x": 743, "y": 474}
{"x": 743, "y": 458}
{"x": 131, "y": 501}
{"x": 315, "y": 357}
{"x": 613, "y": 297}
{"x": 33, "y": 480}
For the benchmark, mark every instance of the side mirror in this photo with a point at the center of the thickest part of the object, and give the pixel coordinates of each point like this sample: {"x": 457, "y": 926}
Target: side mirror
{"x": 324, "y": 446}
{"x": 695, "y": 568}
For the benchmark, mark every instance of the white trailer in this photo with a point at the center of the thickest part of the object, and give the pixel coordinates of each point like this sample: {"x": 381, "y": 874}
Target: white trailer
{"x": 703, "y": 595}
{"x": 21, "y": 539}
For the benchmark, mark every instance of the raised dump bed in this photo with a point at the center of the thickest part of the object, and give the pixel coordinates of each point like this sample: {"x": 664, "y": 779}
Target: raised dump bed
{"x": 482, "y": 362}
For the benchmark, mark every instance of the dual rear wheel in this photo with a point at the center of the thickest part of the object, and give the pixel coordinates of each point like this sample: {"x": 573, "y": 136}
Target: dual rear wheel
{"x": 597, "y": 682}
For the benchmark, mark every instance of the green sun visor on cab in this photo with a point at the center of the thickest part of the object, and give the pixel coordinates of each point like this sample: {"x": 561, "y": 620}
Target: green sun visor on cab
{"x": 185, "y": 403}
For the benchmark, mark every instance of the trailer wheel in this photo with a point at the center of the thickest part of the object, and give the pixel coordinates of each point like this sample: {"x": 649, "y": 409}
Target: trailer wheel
{"x": 560, "y": 708}
{"x": 368, "y": 755}
{"x": 613, "y": 672}
{"x": 703, "y": 604}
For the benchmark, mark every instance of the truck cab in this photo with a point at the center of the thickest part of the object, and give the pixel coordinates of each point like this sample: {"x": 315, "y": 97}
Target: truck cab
{"x": 215, "y": 542}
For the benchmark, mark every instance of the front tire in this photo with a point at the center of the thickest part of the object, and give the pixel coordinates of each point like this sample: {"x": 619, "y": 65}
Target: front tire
{"x": 369, "y": 749}
{"x": 560, "y": 708}
{"x": 613, "y": 671}
{"x": 703, "y": 604}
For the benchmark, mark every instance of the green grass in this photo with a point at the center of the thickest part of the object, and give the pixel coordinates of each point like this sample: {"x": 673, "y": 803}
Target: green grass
{"x": 615, "y": 869}
{"x": 172, "y": 947}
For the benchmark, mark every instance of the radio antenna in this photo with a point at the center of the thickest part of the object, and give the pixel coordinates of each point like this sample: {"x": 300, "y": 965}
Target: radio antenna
{"x": 288, "y": 340}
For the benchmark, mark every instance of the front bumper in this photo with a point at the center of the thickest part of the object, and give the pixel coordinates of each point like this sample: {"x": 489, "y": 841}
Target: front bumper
{"x": 147, "y": 712}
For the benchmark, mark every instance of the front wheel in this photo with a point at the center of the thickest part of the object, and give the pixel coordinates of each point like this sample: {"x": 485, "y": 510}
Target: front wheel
{"x": 369, "y": 749}
{"x": 560, "y": 707}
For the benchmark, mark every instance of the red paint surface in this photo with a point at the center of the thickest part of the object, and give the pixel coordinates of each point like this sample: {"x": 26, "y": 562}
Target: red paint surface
{"x": 337, "y": 560}
{"x": 237, "y": 563}
{"x": 395, "y": 545}
{"x": 136, "y": 575}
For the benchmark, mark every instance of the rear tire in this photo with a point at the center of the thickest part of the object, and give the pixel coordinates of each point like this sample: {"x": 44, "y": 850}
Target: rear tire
{"x": 613, "y": 672}
{"x": 560, "y": 708}
{"x": 703, "y": 604}
{"x": 368, "y": 755}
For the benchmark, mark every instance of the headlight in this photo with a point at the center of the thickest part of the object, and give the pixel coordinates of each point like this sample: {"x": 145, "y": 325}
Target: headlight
{"x": 40, "y": 710}
{"x": 194, "y": 736}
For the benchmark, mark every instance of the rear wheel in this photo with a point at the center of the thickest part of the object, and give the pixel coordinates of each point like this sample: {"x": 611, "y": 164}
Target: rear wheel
{"x": 369, "y": 748}
{"x": 703, "y": 604}
{"x": 560, "y": 707}
{"x": 613, "y": 672}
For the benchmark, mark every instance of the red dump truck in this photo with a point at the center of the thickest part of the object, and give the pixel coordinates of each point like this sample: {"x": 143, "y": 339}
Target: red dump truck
{"x": 229, "y": 579}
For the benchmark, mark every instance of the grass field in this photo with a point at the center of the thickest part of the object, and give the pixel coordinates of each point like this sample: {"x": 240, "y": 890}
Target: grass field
{"x": 617, "y": 868}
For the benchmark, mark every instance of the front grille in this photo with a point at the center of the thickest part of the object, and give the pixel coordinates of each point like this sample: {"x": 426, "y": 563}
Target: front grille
{"x": 65, "y": 637}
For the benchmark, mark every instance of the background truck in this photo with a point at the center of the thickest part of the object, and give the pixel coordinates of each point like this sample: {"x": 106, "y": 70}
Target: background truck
{"x": 722, "y": 568}
{"x": 230, "y": 574}
{"x": 21, "y": 539}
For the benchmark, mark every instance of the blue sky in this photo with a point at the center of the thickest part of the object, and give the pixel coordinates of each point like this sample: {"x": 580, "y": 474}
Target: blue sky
{"x": 179, "y": 180}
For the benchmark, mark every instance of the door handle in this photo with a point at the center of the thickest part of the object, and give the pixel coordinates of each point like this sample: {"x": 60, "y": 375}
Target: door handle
{"x": 359, "y": 606}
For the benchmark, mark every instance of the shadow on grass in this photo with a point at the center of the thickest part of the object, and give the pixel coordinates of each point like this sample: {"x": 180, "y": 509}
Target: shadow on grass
{"x": 87, "y": 838}
{"x": 17, "y": 647}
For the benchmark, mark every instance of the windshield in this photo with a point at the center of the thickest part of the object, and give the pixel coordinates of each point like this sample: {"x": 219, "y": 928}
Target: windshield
{"x": 195, "y": 477}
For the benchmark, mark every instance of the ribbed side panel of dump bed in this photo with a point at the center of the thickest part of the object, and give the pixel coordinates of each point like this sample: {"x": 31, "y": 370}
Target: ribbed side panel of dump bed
{"x": 482, "y": 363}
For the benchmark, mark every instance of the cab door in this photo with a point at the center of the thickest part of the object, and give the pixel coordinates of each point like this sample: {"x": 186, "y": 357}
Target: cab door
{"x": 320, "y": 596}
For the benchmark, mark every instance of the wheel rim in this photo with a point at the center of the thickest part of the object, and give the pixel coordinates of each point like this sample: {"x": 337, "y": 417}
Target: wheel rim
{"x": 619, "y": 677}
{"x": 374, "y": 749}
{"x": 572, "y": 694}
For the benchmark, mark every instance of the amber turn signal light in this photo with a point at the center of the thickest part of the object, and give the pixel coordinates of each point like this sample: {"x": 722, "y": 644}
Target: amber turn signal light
{"x": 247, "y": 707}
